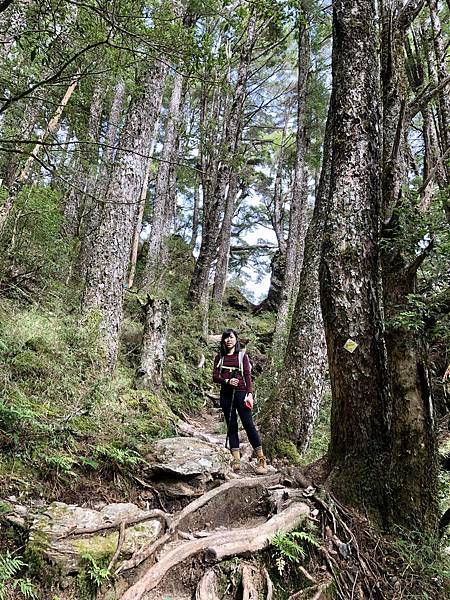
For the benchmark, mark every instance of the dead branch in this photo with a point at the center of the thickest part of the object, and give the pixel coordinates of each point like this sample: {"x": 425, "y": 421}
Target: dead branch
{"x": 269, "y": 584}
{"x": 249, "y": 590}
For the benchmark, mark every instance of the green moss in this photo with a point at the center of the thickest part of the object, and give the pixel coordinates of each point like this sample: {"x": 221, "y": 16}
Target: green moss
{"x": 99, "y": 547}
{"x": 287, "y": 449}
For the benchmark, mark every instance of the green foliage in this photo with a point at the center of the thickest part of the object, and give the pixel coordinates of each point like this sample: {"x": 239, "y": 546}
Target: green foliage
{"x": 290, "y": 547}
{"x": 10, "y": 567}
{"x": 94, "y": 574}
{"x": 423, "y": 563}
{"x": 60, "y": 418}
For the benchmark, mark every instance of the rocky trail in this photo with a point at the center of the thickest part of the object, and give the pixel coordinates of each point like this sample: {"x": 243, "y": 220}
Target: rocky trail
{"x": 199, "y": 515}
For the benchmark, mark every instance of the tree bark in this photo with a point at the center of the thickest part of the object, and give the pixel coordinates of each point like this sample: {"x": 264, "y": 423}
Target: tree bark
{"x": 155, "y": 263}
{"x": 140, "y": 215}
{"x": 108, "y": 266}
{"x": 223, "y": 255}
{"x": 90, "y": 217}
{"x": 297, "y": 217}
{"x": 292, "y": 412}
{"x": 157, "y": 312}
{"x": 412, "y": 468}
{"x": 349, "y": 270}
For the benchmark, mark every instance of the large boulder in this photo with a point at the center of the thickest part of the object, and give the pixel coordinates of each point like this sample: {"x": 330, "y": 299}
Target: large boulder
{"x": 64, "y": 534}
{"x": 185, "y": 467}
{"x": 189, "y": 457}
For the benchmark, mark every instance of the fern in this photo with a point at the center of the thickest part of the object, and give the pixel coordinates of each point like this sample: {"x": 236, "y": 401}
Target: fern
{"x": 9, "y": 567}
{"x": 289, "y": 549}
{"x": 305, "y": 536}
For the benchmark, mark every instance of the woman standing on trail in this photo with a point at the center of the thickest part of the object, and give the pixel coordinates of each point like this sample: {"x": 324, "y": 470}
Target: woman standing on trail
{"x": 232, "y": 371}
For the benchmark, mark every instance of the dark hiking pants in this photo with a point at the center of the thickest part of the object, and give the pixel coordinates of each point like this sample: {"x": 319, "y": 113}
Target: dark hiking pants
{"x": 245, "y": 414}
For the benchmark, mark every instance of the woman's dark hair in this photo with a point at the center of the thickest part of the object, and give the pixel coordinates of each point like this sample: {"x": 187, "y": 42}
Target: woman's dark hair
{"x": 226, "y": 334}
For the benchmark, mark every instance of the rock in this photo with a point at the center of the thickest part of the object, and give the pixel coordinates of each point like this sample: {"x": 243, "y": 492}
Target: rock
{"x": 60, "y": 533}
{"x": 188, "y": 457}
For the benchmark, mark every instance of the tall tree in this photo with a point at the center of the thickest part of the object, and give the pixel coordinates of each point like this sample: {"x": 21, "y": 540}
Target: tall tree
{"x": 290, "y": 415}
{"x": 107, "y": 271}
{"x": 350, "y": 270}
{"x": 215, "y": 184}
{"x": 297, "y": 214}
{"x": 412, "y": 469}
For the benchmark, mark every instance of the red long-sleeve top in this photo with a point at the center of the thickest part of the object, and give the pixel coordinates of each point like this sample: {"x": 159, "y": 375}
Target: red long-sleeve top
{"x": 231, "y": 363}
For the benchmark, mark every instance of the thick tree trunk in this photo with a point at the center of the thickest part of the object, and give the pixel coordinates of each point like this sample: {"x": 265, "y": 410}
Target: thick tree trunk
{"x": 223, "y": 255}
{"x": 412, "y": 469}
{"x": 291, "y": 415}
{"x": 155, "y": 263}
{"x": 297, "y": 217}
{"x": 108, "y": 266}
{"x": 90, "y": 215}
{"x": 349, "y": 269}
{"x": 154, "y": 339}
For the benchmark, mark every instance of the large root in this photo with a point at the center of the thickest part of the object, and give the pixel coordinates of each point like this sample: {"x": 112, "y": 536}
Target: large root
{"x": 207, "y": 587}
{"x": 218, "y": 546}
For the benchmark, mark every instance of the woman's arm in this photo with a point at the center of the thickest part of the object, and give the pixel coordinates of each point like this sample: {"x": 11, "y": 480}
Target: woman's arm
{"x": 247, "y": 374}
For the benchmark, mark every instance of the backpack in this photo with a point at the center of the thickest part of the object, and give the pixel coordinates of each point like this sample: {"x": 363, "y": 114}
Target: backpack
{"x": 241, "y": 363}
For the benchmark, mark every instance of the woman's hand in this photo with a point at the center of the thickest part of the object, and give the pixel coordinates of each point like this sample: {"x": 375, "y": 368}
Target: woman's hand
{"x": 234, "y": 381}
{"x": 249, "y": 400}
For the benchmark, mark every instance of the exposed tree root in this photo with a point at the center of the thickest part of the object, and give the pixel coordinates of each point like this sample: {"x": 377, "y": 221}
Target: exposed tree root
{"x": 207, "y": 587}
{"x": 218, "y": 546}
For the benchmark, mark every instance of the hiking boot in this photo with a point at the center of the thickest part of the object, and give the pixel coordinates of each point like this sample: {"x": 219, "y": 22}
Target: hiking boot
{"x": 236, "y": 465}
{"x": 236, "y": 462}
{"x": 261, "y": 468}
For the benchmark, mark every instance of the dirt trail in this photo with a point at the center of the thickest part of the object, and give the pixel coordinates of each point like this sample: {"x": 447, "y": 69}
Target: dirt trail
{"x": 235, "y": 518}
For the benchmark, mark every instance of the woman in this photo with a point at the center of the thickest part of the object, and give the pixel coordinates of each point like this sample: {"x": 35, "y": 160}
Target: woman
{"x": 232, "y": 371}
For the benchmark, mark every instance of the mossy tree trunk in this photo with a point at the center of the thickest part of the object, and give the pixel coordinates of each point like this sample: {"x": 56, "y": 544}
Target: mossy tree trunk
{"x": 412, "y": 475}
{"x": 349, "y": 270}
{"x": 290, "y": 415}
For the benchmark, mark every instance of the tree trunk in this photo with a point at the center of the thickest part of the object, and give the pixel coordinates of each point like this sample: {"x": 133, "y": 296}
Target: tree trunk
{"x": 140, "y": 216}
{"x": 215, "y": 189}
{"x": 155, "y": 263}
{"x": 28, "y": 166}
{"x": 349, "y": 269}
{"x": 444, "y": 95}
{"x": 412, "y": 469}
{"x": 85, "y": 176}
{"x": 195, "y": 215}
{"x": 90, "y": 217}
{"x": 297, "y": 217}
{"x": 292, "y": 413}
{"x": 107, "y": 271}
{"x": 223, "y": 255}
{"x": 154, "y": 339}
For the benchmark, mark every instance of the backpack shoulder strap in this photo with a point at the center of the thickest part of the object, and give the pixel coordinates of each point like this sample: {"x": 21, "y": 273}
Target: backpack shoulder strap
{"x": 241, "y": 361}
